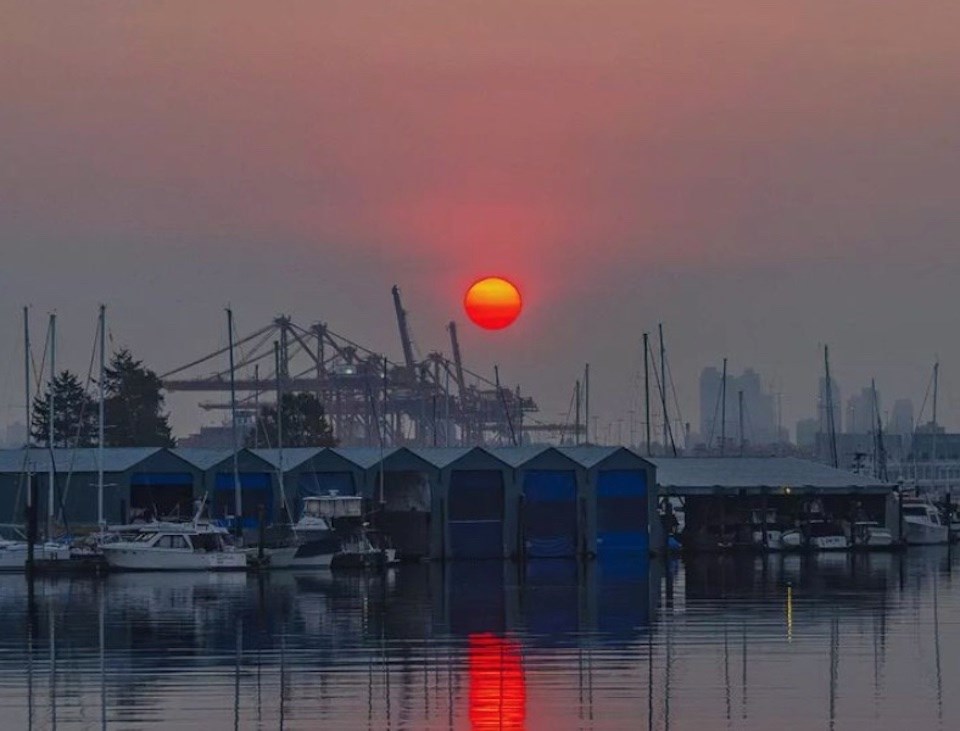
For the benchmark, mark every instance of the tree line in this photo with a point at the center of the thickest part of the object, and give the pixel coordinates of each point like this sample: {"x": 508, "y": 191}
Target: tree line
{"x": 134, "y": 414}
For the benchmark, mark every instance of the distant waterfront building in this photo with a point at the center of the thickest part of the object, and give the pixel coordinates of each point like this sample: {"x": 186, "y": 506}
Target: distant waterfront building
{"x": 861, "y": 412}
{"x": 901, "y": 417}
{"x": 932, "y": 462}
{"x": 807, "y": 430}
{"x": 759, "y": 409}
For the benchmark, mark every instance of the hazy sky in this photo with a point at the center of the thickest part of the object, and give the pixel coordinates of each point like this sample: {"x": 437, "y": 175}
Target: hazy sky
{"x": 761, "y": 177}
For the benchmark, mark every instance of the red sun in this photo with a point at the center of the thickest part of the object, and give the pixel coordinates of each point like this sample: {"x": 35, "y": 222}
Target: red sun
{"x": 493, "y": 303}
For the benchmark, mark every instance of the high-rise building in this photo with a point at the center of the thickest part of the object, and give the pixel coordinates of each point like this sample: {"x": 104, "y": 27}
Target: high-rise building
{"x": 759, "y": 409}
{"x": 861, "y": 413}
{"x": 901, "y": 418}
{"x": 807, "y": 434}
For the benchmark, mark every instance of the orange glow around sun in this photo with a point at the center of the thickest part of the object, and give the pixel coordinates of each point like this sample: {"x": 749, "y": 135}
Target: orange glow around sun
{"x": 493, "y": 303}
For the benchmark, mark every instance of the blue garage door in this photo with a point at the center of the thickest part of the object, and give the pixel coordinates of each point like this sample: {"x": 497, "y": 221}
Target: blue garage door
{"x": 550, "y": 513}
{"x": 255, "y": 490}
{"x": 475, "y": 514}
{"x": 622, "y": 512}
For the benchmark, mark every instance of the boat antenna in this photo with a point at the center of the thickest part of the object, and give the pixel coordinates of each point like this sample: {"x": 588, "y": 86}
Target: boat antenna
{"x": 237, "y": 492}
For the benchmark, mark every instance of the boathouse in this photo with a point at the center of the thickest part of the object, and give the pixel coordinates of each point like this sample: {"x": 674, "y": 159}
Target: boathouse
{"x": 553, "y": 505}
{"x": 620, "y": 500}
{"x": 405, "y": 491}
{"x": 719, "y": 495}
{"x": 478, "y": 502}
{"x": 136, "y": 479}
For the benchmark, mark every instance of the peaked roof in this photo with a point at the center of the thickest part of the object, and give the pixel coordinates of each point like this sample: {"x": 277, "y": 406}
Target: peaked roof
{"x": 292, "y": 457}
{"x": 115, "y": 459}
{"x": 365, "y": 457}
{"x": 517, "y": 456}
{"x": 440, "y": 457}
{"x": 757, "y": 472}
{"x": 202, "y": 459}
{"x": 591, "y": 455}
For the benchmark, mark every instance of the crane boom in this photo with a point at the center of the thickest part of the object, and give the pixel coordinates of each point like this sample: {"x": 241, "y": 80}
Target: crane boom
{"x": 457, "y": 358}
{"x": 405, "y": 340}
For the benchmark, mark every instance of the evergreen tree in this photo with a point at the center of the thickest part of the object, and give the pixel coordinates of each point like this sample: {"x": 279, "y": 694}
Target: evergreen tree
{"x": 304, "y": 424}
{"x": 75, "y": 415}
{"x": 134, "y": 405}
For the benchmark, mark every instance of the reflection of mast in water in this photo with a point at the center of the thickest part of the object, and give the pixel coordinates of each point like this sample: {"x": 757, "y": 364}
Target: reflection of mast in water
{"x": 743, "y": 680}
{"x": 834, "y": 668}
{"x": 726, "y": 674}
{"x": 283, "y": 677}
{"x": 51, "y": 619}
{"x": 936, "y": 645}
{"x": 650, "y": 679}
{"x": 31, "y": 627}
{"x": 103, "y": 658}
{"x": 236, "y": 674}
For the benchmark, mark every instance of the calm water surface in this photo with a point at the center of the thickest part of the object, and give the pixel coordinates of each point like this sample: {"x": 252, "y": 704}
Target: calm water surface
{"x": 828, "y": 642}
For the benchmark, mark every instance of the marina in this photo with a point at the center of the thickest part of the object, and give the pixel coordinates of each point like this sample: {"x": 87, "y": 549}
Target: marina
{"x": 367, "y": 508}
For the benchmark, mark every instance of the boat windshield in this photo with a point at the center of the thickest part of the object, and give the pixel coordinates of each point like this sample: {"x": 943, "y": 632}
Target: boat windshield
{"x": 207, "y": 542}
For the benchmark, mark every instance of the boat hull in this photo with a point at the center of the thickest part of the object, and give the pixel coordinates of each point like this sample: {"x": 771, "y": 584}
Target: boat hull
{"x": 925, "y": 534}
{"x": 297, "y": 557}
{"x": 132, "y": 558}
{"x": 13, "y": 557}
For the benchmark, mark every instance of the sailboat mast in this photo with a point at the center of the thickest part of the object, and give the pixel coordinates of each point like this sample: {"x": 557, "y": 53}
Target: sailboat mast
{"x": 26, "y": 372}
{"x": 828, "y": 392}
{"x": 237, "y": 494}
{"x": 933, "y": 444}
{"x": 586, "y": 404}
{"x": 51, "y": 417}
{"x": 667, "y": 432}
{"x": 100, "y": 415}
{"x": 723, "y": 410}
{"x": 646, "y": 389}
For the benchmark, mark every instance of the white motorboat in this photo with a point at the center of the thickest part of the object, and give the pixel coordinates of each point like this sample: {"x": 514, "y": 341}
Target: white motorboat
{"x": 869, "y": 534}
{"x": 922, "y": 524}
{"x": 13, "y": 553}
{"x": 314, "y": 541}
{"x": 175, "y": 547}
{"x": 765, "y": 533}
{"x": 818, "y": 535}
{"x": 827, "y": 536}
